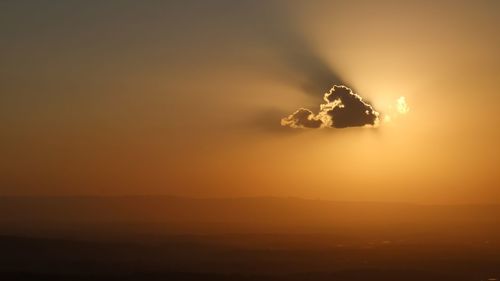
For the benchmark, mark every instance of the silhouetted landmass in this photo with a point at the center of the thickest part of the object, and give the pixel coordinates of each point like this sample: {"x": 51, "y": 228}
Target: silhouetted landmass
{"x": 169, "y": 238}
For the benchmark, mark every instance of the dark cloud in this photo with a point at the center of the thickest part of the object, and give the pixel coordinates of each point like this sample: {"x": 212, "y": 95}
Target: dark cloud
{"x": 302, "y": 118}
{"x": 352, "y": 111}
{"x": 342, "y": 109}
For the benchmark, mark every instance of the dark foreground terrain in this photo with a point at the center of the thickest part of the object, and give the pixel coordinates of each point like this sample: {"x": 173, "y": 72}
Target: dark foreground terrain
{"x": 168, "y": 238}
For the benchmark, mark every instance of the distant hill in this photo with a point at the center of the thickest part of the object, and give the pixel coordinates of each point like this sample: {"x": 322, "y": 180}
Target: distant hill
{"x": 178, "y": 215}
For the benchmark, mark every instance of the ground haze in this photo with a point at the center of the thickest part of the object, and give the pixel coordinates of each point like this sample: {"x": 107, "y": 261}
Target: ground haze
{"x": 173, "y": 238}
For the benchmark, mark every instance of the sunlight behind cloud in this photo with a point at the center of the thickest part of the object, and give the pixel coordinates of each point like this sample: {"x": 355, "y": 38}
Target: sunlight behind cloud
{"x": 401, "y": 106}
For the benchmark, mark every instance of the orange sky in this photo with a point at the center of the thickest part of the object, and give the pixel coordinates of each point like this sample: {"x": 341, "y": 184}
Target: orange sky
{"x": 185, "y": 98}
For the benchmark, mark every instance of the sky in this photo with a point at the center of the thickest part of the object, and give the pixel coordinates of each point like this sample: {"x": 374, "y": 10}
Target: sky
{"x": 186, "y": 98}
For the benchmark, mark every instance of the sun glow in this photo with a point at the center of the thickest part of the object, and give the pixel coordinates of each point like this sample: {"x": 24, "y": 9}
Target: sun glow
{"x": 401, "y": 106}
{"x": 394, "y": 111}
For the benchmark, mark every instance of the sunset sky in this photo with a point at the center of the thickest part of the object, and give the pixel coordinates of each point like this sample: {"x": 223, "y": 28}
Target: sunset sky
{"x": 186, "y": 97}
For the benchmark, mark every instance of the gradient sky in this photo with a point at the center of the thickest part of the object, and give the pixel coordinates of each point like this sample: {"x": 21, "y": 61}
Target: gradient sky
{"x": 186, "y": 97}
